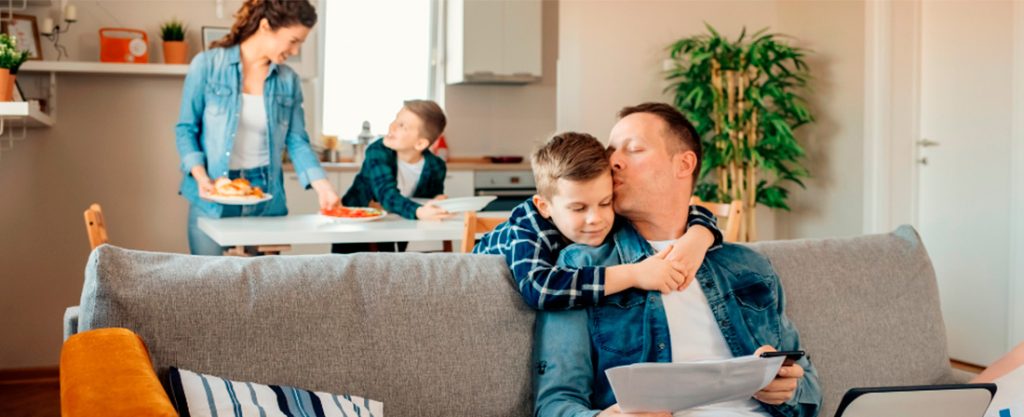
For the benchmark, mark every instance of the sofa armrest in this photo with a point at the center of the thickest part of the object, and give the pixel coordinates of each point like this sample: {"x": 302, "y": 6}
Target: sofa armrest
{"x": 70, "y": 321}
{"x": 107, "y": 372}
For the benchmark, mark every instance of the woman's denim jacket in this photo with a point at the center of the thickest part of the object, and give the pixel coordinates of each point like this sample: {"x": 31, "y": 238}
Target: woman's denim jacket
{"x": 208, "y": 121}
{"x": 574, "y": 348}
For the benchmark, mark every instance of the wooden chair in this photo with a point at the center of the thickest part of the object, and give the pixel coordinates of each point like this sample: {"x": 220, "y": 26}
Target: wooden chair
{"x": 731, "y": 213}
{"x": 475, "y": 225}
{"x": 95, "y": 226}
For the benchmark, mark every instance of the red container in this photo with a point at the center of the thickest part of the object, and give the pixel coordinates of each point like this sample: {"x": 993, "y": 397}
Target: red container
{"x": 124, "y": 45}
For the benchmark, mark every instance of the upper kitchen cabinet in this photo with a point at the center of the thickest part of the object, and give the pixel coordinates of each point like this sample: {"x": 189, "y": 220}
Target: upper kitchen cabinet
{"x": 493, "y": 41}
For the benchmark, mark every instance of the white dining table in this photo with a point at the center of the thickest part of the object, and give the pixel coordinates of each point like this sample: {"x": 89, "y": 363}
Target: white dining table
{"x": 317, "y": 229}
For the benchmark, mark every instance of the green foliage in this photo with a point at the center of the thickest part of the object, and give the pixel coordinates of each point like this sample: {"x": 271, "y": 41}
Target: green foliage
{"x": 172, "y": 30}
{"x": 777, "y": 72}
{"x": 10, "y": 57}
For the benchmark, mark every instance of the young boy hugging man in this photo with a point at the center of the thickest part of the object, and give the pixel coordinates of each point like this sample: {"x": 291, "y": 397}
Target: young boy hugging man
{"x": 574, "y": 204}
{"x": 399, "y": 167}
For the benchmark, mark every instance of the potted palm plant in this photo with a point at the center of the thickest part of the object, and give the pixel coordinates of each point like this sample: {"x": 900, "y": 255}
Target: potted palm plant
{"x": 173, "y": 34}
{"x": 742, "y": 97}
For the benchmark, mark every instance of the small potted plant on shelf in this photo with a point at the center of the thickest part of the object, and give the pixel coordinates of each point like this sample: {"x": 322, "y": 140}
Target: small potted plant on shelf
{"x": 10, "y": 61}
{"x": 173, "y": 34}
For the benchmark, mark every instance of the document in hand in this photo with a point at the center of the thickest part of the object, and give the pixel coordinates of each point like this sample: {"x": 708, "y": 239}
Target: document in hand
{"x": 1008, "y": 401}
{"x": 678, "y": 386}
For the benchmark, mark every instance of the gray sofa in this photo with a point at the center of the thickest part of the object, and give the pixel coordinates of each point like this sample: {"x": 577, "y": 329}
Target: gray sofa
{"x": 447, "y": 335}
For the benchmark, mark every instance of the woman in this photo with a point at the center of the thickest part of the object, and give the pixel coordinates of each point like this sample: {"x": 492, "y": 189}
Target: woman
{"x": 240, "y": 108}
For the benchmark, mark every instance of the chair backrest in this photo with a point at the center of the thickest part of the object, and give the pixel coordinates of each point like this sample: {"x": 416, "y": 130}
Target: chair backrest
{"x": 95, "y": 226}
{"x": 474, "y": 225}
{"x": 732, "y": 213}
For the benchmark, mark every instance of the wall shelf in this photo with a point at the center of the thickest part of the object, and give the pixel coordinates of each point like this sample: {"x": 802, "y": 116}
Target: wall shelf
{"x": 81, "y": 67}
{"x": 26, "y": 111}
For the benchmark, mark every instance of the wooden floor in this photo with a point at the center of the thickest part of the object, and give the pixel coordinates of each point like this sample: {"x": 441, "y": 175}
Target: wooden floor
{"x": 30, "y": 393}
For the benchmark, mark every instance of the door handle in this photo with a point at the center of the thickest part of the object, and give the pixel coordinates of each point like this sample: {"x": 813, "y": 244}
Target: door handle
{"x": 923, "y": 161}
{"x": 927, "y": 143}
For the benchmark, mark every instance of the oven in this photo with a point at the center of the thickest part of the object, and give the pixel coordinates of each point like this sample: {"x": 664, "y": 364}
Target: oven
{"x": 511, "y": 187}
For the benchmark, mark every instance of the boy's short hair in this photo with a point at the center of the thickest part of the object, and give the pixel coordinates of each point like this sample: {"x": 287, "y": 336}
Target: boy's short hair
{"x": 679, "y": 127}
{"x": 431, "y": 115}
{"x": 572, "y": 156}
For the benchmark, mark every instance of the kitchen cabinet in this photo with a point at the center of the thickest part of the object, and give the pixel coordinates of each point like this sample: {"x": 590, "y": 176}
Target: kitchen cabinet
{"x": 493, "y": 41}
{"x": 458, "y": 184}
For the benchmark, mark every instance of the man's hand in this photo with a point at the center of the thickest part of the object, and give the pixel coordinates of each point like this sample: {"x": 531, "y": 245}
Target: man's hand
{"x": 783, "y": 387}
{"x": 615, "y": 411}
{"x": 659, "y": 274}
{"x": 431, "y": 212}
{"x": 690, "y": 249}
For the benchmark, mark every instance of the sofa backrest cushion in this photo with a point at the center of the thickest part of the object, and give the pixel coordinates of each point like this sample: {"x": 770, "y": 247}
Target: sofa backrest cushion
{"x": 426, "y": 334}
{"x": 867, "y": 309}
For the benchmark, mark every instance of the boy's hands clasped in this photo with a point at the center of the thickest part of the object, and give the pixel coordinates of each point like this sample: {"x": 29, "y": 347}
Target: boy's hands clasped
{"x": 657, "y": 273}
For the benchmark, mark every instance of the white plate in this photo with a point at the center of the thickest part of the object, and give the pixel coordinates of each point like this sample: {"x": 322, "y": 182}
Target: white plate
{"x": 463, "y": 204}
{"x": 383, "y": 214}
{"x": 238, "y": 201}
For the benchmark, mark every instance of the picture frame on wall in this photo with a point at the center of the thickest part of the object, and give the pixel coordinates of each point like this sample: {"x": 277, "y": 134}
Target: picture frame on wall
{"x": 213, "y": 33}
{"x": 26, "y": 31}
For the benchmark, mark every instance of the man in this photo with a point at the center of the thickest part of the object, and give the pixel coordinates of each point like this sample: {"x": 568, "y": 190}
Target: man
{"x": 735, "y": 308}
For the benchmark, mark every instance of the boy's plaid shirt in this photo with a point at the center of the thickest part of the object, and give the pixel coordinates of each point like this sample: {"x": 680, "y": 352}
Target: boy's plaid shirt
{"x": 377, "y": 180}
{"x": 531, "y": 244}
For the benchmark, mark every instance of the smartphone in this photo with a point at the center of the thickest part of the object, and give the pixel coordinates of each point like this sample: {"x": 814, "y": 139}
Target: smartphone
{"x": 791, "y": 356}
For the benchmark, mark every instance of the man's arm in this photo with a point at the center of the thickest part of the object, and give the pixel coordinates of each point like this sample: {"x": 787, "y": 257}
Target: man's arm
{"x": 563, "y": 371}
{"x": 806, "y": 401}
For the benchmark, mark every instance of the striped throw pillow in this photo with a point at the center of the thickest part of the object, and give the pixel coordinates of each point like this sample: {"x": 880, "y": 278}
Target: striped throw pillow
{"x": 199, "y": 395}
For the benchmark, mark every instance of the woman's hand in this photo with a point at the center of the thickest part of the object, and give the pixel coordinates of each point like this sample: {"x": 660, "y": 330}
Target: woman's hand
{"x": 325, "y": 194}
{"x": 203, "y": 181}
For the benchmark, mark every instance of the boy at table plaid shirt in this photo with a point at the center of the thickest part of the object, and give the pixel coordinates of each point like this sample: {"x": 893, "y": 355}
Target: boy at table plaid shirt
{"x": 399, "y": 167}
{"x": 574, "y": 204}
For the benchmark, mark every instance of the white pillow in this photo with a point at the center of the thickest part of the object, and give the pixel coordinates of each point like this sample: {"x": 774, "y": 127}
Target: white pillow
{"x": 199, "y": 395}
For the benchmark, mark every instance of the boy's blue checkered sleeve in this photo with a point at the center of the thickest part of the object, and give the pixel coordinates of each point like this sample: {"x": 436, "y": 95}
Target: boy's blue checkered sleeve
{"x": 530, "y": 248}
{"x": 700, "y": 216}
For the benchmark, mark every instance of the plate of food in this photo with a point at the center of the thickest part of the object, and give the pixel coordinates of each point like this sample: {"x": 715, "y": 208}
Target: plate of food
{"x": 236, "y": 192}
{"x": 353, "y": 214}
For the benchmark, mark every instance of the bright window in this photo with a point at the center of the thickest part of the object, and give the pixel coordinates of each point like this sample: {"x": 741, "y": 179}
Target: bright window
{"x": 377, "y": 53}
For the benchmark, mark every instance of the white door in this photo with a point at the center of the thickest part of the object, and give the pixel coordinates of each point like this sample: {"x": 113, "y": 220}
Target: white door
{"x": 964, "y": 157}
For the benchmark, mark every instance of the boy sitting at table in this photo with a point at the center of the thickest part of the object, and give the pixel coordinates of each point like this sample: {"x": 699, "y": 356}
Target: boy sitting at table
{"x": 399, "y": 167}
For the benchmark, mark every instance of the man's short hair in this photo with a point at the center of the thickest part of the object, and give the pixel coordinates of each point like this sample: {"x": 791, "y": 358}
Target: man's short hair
{"x": 431, "y": 115}
{"x": 572, "y": 156}
{"x": 679, "y": 128}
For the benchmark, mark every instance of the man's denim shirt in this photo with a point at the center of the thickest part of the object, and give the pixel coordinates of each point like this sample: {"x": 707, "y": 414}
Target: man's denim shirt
{"x": 574, "y": 348}
{"x": 208, "y": 119}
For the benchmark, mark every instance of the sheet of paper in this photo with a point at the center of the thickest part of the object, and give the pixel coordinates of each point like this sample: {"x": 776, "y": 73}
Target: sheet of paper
{"x": 1009, "y": 399}
{"x": 678, "y": 386}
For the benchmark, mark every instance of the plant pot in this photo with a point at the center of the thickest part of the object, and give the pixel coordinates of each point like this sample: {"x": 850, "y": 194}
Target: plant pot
{"x": 175, "y": 52}
{"x": 6, "y": 85}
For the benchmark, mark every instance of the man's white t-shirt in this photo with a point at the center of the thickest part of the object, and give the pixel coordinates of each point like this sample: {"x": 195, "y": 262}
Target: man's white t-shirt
{"x": 695, "y": 336}
{"x": 409, "y": 176}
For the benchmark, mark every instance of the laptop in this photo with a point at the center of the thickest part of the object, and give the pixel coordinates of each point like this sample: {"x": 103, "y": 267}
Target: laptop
{"x": 959, "y": 400}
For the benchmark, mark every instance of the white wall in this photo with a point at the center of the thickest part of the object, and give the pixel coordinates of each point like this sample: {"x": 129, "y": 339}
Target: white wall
{"x": 611, "y": 56}
{"x": 831, "y": 204}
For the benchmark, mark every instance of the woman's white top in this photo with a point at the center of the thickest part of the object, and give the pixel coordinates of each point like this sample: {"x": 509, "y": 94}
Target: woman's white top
{"x": 252, "y": 145}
